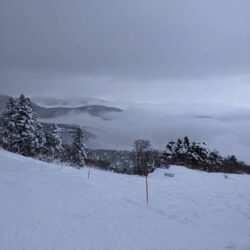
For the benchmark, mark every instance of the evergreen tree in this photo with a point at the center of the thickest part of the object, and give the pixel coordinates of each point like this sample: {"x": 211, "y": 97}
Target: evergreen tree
{"x": 26, "y": 124}
{"x": 53, "y": 142}
{"x": 79, "y": 149}
{"x": 40, "y": 140}
{"x": 199, "y": 152}
{"x": 186, "y": 152}
{"x": 8, "y": 124}
{"x": 20, "y": 131}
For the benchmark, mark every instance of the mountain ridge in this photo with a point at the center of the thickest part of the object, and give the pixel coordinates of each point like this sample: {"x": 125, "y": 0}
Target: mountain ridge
{"x": 46, "y": 112}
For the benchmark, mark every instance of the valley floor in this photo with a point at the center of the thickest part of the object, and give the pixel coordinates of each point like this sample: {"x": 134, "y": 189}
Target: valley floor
{"x": 49, "y": 207}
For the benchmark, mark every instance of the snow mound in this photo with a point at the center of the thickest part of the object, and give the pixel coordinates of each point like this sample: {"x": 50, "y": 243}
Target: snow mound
{"x": 50, "y": 207}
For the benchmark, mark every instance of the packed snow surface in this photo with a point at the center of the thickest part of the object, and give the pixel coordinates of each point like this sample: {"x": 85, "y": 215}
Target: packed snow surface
{"x": 49, "y": 207}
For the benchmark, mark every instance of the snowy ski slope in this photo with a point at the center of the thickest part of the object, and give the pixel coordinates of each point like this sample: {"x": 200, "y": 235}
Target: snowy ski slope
{"x": 50, "y": 207}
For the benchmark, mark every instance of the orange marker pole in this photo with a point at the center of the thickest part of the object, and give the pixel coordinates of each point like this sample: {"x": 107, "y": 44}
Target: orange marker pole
{"x": 90, "y": 162}
{"x": 89, "y": 171}
{"x": 147, "y": 188}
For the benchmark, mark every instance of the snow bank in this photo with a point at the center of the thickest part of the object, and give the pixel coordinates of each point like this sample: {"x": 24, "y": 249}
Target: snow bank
{"x": 45, "y": 206}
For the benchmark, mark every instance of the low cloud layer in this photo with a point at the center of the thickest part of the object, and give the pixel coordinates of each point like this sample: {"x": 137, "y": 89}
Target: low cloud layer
{"x": 161, "y": 123}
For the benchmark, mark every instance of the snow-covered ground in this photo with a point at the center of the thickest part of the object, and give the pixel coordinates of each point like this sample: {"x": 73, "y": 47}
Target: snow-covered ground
{"x": 52, "y": 207}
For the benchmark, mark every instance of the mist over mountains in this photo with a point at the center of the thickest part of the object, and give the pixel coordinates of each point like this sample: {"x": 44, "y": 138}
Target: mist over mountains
{"x": 69, "y": 102}
{"x": 53, "y": 112}
{"x": 223, "y": 127}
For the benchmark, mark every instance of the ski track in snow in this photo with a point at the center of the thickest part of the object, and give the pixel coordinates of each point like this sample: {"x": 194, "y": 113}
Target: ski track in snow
{"x": 49, "y": 207}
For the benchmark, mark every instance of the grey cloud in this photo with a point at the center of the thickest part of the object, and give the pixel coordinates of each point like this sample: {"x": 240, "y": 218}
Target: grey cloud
{"x": 230, "y": 90}
{"x": 131, "y": 39}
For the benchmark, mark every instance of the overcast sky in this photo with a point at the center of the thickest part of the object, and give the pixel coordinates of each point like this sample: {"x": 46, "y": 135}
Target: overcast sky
{"x": 133, "y": 50}
{"x": 173, "y": 54}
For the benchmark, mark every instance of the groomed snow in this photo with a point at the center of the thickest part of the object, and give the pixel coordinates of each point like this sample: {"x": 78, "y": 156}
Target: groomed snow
{"x": 50, "y": 207}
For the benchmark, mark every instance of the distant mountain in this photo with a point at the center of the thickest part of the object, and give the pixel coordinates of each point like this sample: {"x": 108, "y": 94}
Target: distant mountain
{"x": 94, "y": 110}
{"x": 68, "y": 102}
{"x": 47, "y": 113}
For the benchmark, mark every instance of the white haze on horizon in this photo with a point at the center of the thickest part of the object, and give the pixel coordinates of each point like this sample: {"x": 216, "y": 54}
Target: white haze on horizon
{"x": 223, "y": 127}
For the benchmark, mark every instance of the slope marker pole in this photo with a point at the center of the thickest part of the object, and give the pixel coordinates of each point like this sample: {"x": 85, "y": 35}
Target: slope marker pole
{"x": 147, "y": 188}
{"x": 90, "y": 162}
{"x": 89, "y": 172}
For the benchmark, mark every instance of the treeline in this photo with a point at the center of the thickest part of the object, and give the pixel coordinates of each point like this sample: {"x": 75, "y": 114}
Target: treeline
{"x": 20, "y": 132}
{"x": 196, "y": 155}
{"x": 143, "y": 159}
{"x": 192, "y": 154}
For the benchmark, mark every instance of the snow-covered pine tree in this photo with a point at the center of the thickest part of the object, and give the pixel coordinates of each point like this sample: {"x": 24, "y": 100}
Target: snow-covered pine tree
{"x": 53, "y": 142}
{"x": 8, "y": 124}
{"x": 185, "y": 152}
{"x": 25, "y": 135}
{"x": 57, "y": 140}
{"x": 40, "y": 140}
{"x": 79, "y": 149}
{"x": 200, "y": 153}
